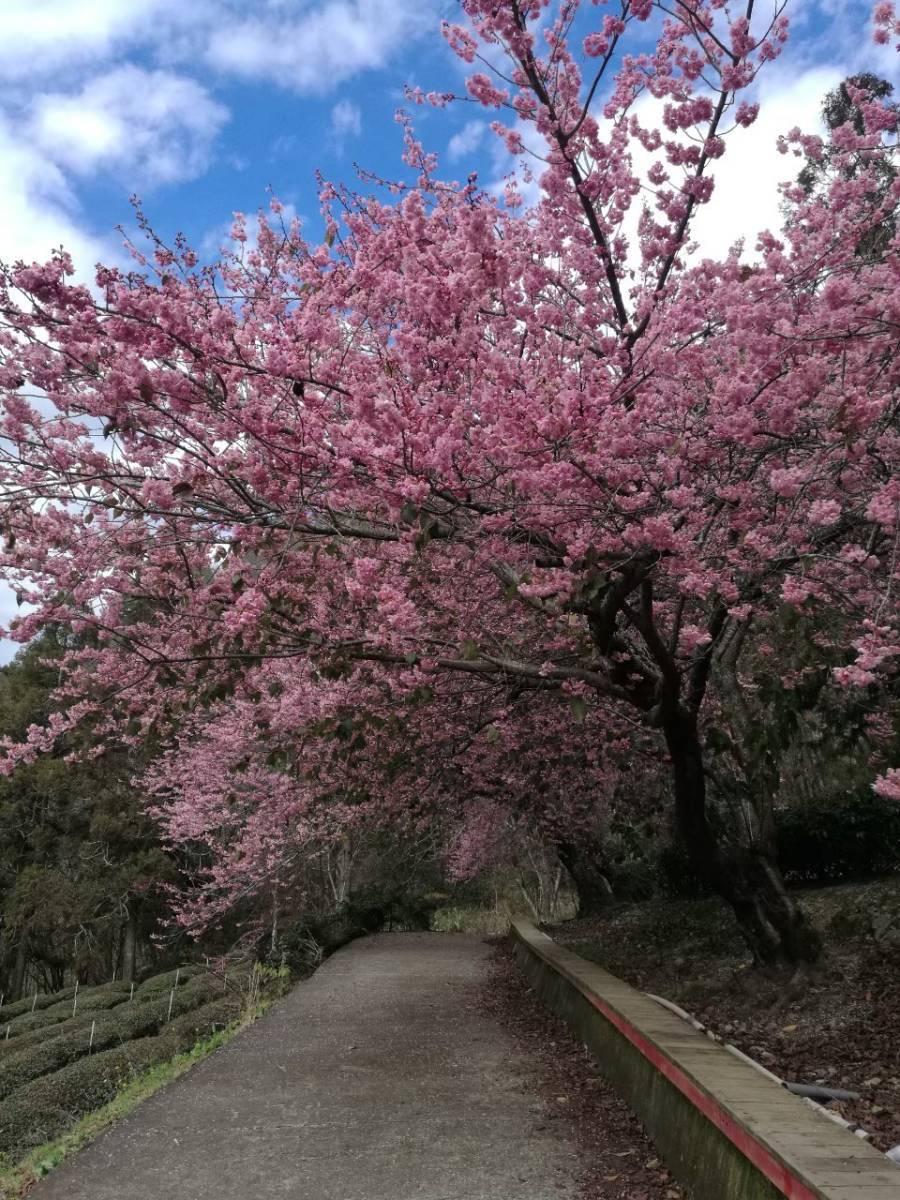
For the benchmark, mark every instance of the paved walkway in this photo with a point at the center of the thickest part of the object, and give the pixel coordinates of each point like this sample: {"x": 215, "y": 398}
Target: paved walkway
{"x": 378, "y": 1079}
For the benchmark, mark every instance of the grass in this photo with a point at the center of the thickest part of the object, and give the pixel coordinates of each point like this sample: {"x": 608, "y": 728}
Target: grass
{"x": 17, "y": 1181}
{"x": 471, "y": 919}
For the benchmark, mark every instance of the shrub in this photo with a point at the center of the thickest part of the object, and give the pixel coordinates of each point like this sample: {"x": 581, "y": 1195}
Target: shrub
{"x": 13, "y": 1045}
{"x": 857, "y": 837}
{"x": 95, "y": 999}
{"x": 304, "y": 943}
{"x": 53, "y": 1008}
{"x": 38, "y": 1020}
{"x": 166, "y": 981}
{"x": 181, "y": 1034}
{"x": 45, "y": 1107}
{"x": 677, "y": 874}
{"x": 634, "y": 879}
{"x": 17, "y": 1008}
{"x": 127, "y": 1023}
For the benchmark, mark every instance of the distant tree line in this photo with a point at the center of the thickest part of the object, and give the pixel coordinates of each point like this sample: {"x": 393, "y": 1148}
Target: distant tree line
{"x": 82, "y": 871}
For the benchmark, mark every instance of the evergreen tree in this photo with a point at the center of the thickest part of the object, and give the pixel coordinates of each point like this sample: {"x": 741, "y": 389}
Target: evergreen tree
{"x": 81, "y": 865}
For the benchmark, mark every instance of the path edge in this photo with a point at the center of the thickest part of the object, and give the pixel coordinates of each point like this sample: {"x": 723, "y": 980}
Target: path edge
{"x": 725, "y": 1131}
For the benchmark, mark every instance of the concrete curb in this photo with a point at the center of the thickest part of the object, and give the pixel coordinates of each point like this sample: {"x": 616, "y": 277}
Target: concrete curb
{"x": 725, "y": 1131}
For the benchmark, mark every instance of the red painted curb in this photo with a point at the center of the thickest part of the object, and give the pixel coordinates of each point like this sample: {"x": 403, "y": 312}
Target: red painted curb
{"x": 789, "y": 1184}
{"x": 759, "y": 1154}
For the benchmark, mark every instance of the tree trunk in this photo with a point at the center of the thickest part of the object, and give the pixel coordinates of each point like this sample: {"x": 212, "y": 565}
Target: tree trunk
{"x": 18, "y": 978}
{"x": 584, "y": 862}
{"x": 773, "y": 924}
{"x": 129, "y": 946}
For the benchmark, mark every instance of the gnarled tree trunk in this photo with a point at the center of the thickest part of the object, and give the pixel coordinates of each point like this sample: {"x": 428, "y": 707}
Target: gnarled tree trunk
{"x": 584, "y": 863}
{"x": 775, "y": 927}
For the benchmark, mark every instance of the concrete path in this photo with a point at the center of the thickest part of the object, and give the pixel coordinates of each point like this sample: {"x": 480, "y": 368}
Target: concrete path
{"x": 378, "y": 1079}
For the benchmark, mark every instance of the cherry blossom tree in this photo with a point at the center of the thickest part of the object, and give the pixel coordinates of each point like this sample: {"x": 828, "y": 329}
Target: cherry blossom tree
{"x": 545, "y": 449}
{"x": 292, "y": 764}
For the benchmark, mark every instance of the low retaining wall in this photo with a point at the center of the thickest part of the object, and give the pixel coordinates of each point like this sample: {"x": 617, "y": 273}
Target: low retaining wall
{"x": 725, "y": 1131}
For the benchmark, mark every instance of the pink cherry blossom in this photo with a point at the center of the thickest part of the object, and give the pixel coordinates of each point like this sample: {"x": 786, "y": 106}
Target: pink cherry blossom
{"x": 457, "y": 459}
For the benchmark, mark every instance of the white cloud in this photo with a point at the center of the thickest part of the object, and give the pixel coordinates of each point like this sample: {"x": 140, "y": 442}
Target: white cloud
{"x": 38, "y": 210}
{"x": 44, "y": 35}
{"x": 832, "y": 40}
{"x": 467, "y": 141}
{"x": 78, "y": 107}
{"x": 746, "y": 199}
{"x": 154, "y": 125}
{"x": 346, "y": 119}
{"x": 299, "y": 44}
{"x": 323, "y": 46}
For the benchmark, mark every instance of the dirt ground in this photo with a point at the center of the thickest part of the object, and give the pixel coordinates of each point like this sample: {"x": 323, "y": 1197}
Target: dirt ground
{"x": 618, "y": 1160}
{"x": 840, "y": 1028}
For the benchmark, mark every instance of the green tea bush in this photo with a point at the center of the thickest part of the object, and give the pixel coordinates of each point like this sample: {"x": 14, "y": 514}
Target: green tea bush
{"x": 17, "y": 1008}
{"x": 45, "y": 1107}
{"x": 14, "y": 1045}
{"x": 166, "y": 981}
{"x": 56, "y": 1007}
{"x": 29, "y": 1032}
{"x": 96, "y": 999}
{"x": 125, "y": 1024}
{"x": 36, "y": 1020}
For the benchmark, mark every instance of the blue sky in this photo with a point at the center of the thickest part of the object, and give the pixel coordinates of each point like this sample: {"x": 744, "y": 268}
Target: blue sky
{"x": 199, "y": 106}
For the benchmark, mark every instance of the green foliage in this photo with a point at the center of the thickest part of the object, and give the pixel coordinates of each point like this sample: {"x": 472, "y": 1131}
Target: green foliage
{"x": 124, "y": 1024}
{"x": 43, "y": 1108}
{"x": 857, "y": 837}
{"x": 79, "y": 859}
{"x": 304, "y": 943}
{"x": 838, "y": 108}
{"x": 161, "y": 983}
{"x": 266, "y": 983}
{"x": 28, "y": 1004}
{"x": 458, "y": 918}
